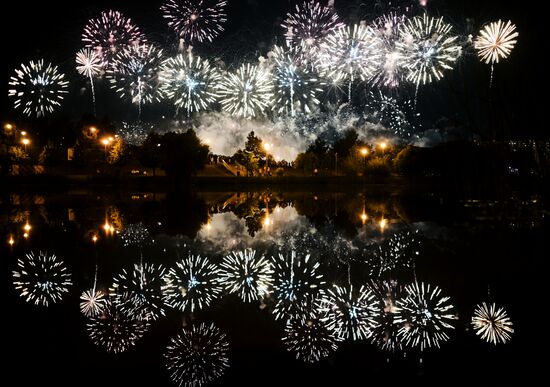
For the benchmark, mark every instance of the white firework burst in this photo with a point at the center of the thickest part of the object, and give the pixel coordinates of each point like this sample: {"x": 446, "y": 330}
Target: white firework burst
{"x": 427, "y": 48}
{"x": 92, "y": 302}
{"x": 115, "y": 329}
{"x": 249, "y": 276}
{"x": 246, "y": 93}
{"x": 197, "y": 355}
{"x": 134, "y": 74}
{"x": 192, "y": 285}
{"x": 424, "y": 316}
{"x": 189, "y": 82}
{"x": 496, "y": 41}
{"x": 311, "y": 339}
{"x": 41, "y": 279}
{"x": 492, "y": 324}
{"x": 139, "y": 291}
{"x": 391, "y": 71}
{"x": 297, "y": 281}
{"x": 297, "y": 87}
{"x": 349, "y": 54}
{"x": 350, "y": 312}
{"x": 37, "y": 88}
{"x": 195, "y": 20}
{"x": 385, "y": 332}
{"x": 309, "y": 24}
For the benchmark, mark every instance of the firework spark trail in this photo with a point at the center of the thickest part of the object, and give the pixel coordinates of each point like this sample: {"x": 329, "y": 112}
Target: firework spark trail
{"x": 89, "y": 64}
{"x": 38, "y": 88}
{"x": 197, "y": 355}
{"x": 492, "y": 324}
{"x": 190, "y": 82}
{"x": 195, "y": 20}
{"x": 41, "y": 279}
{"x": 391, "y": 72}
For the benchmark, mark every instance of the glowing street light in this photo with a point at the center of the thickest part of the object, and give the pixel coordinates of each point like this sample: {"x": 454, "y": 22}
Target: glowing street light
{"x": 364, "y": 217}
{"x": 23, "y": 133}
{"x": 383, "y": 224}
{"x": 8, "y": 126}
{"x": 383, "y": 145}
{"x": 94, "y": 238}
{"x": 105, "y": 142}
{"x": 11, "y": 241}
{"x": 25, "y": 142}
{"x": 364, "y": 151}
{"x": 27, "y": 227}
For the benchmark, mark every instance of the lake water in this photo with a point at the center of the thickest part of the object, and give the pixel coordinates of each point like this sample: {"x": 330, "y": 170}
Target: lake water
{"x": 323, "y": 287}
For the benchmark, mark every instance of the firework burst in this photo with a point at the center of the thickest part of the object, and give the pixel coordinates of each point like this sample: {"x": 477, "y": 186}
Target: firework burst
{"x": 189, "y": 82}
{"x": 424, "y": 316}
{"x": 138, "y": 291}
{"x": 309, "y": 24}
{"x": 195, "y": 20}
{"x": 350, "y": 53}
{"x": 350, "y": 313}
{"x": 89, "y": 64}
{"x": 297, "y": 280}
{"x": 492, "y": 324}
{"x": 115, "y": 329}
{"x": 496, "y": 41}
{"x": 134, "y": 74}
{"x": 246, "y": 93}
{"x": 297, "y": 88}
{"x": 92, "y": 302}
{"x": 387, "y": 28}
{"x": 385, "y": 332}
{"x": 193, "y": 284}
{"x": 197, "y": 355}
{"x": 133, "y": 234}
{"x": 109, "y": 34}
{"x": 427, "y": 48}
{"x": 38, "y": 88}
{"x": 247, "y": 275}
{"x": 310, "y": 340}
{"x": 41, "y": 279}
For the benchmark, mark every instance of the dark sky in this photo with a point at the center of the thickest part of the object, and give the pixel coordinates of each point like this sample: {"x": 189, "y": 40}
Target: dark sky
{"x": 52, "y": 29}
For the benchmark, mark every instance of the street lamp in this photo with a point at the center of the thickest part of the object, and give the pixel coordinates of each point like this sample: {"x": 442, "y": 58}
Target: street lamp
{"x": 25, "y": 142}
{"x": 105, "y": 142}
{"x": 383, "y": 145}
{"x": 364, "y": 152}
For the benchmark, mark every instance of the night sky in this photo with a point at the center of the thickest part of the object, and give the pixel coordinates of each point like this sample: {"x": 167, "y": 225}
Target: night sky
{"x": 52, "y": 30}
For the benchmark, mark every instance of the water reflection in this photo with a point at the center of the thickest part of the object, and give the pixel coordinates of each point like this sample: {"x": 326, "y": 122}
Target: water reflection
{"x": 329, "y": 268}
{"x": 197, "y": 355}
{"x": 41, "y": 278}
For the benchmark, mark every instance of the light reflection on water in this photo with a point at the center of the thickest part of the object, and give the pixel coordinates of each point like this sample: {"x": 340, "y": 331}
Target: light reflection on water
{"x": 328, "y": 270}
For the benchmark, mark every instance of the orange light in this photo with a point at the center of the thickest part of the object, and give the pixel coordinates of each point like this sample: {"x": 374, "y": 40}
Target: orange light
{"x": 383, "y": 223}
{"x": 26, "y": 235}
{"x": 364, "y": 217}
{"x": 105, "y": 142}
{"x": 94, "y": 238}
{"x": 364, "y": 151}
{"x": 27, "y": 227}
{"x": 25, "y": 141}
{"x": 93, "y": 129}
{"x": 383, "y": 145}
{"x": 111, "y": 139}
{"x": 23, "y": 133}
{"x": 11, "y": 241}
{"x": 8, "y": 126}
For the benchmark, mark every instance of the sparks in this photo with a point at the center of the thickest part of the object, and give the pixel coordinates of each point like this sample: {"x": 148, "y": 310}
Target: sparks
{"x": 492, "y": 324}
